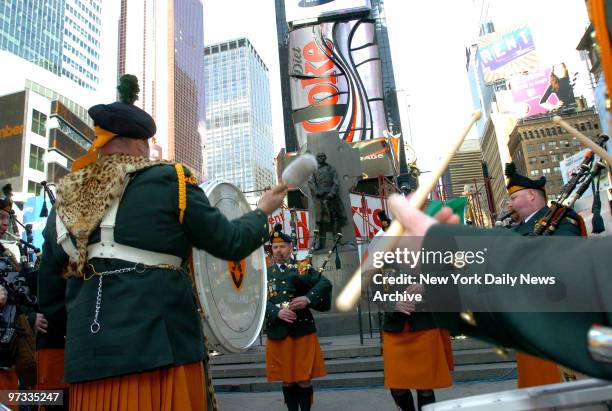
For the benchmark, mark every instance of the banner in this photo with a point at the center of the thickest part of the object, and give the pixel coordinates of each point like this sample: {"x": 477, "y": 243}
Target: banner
{"x": 283, "y": 216}
{"x": 379, "y": 157}
{"x": 365, "y": 218}
{"x": 12, "y": 135}
{"x": 541, "y": 91}
{"x": 505, "y": 53}
{"x": 336, "y": 81}
{"x": 301, "y": 10}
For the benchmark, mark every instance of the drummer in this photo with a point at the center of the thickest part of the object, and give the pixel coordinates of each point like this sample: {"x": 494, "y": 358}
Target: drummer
{"x": 293, "y": 353}
{"x": 114, "y": 282}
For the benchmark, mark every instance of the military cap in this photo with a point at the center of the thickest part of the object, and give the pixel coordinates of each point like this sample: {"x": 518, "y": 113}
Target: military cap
{"x": 278, "y": 236}
{"x": 122, "y": 117}
{"x": 517, "y": 182}
{"x": 385, "y": 221}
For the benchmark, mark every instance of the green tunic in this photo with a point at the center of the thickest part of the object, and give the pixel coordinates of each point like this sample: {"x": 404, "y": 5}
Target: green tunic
{"x": 148, "y": 320}
{"x": 578, "y": 263}
{"x": 282, "y": 287}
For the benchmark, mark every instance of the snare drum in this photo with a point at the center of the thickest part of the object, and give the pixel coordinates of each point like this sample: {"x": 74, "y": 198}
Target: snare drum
{"x": 583, "y": 395}
{"x": 232, "y": 294}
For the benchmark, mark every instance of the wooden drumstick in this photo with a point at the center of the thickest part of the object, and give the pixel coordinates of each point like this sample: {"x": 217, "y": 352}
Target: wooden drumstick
{"x": 585, "y": 140}
{"x": 352, "y": 290}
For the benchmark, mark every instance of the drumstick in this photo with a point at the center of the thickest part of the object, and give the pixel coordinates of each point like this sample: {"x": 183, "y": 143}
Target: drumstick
{"x": 352, "y": 290}
{"x": 585, "y": 140}
{"x": 300, "y": 169}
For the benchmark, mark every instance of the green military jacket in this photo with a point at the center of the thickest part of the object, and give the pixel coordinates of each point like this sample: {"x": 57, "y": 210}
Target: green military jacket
{"x": 148, "y": 320}
{"x": 568, "y": 226}
{"x": 582, "y": 264}
{"x": 282, "y": 287}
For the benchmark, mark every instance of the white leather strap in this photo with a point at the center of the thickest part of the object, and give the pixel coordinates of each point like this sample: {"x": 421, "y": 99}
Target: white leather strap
{"x": 111, "y": 249}
{"x": 63, "y": 239}
{"x": 108, "y": 248}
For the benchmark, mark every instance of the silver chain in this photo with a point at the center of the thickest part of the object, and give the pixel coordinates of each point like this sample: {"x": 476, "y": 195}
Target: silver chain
{"x": 95, "y": 325}
{"x": 138, "y": 268}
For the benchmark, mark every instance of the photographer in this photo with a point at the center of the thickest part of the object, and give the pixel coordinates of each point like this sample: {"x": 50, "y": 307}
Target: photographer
{"x": 17, "y": 318}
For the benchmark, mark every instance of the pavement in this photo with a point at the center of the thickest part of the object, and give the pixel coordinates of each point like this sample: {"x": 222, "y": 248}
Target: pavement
{"x": 353, "y": 399}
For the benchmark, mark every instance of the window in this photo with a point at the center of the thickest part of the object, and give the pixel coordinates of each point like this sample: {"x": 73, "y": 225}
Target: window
{"x": 537, "y": 133}
{"x": 533, "y": 160}
{"x": 36, "y": 158}
{"x": 545, "y": 171}
{"x": 543, "y": 159}
{"x": 535, "y": 172}
{"x": 39, "y": 123}
{"x": 554, "y": 158}
{"x": 542, "y": 146}
{"x": 34, "y": 188}
{"x": 564, "y": 143}
{"x": 557, "y": 170}
{"x": 552, "y": 144}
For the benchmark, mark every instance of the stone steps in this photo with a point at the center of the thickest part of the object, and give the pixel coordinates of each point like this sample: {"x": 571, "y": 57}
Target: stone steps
{"x": 462, "y": 373}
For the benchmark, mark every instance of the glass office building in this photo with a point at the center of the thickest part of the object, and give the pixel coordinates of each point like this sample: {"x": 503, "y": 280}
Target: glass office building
{"x": 239, "y": 146}
{"x": 62, "y": 36}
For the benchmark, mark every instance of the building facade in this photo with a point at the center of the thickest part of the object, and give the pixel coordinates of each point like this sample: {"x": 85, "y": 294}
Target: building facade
{"x": 239, "y": 145}
{"x": 62, "y": 36}
{"x": 162, "y": 43}
{"x": 537, "y": 146}
{"x": 34, "y": 32}
{"x": 81, "y": 42}
{"x": 40, "y": 139}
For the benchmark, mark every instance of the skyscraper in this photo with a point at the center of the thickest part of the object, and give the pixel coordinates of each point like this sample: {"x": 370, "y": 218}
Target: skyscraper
{"x": 239, "y": 145}
{"x": 33, "y": 32}
{"x": 162, "y": 43}
{"x": 377, "y": 13}
{"x": 81, "y": 42}
{"x": 62, "y": 36}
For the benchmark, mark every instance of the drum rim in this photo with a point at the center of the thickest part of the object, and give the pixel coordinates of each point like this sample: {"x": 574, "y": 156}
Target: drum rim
{"x": 207, "y": 187}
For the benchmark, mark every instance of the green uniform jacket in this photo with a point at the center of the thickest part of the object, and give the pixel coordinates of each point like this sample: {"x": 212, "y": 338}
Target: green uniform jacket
{"x": 282, "y": 287}
{"x": 148, "y": 320}
{"x": 581, "y": 264}
{"x": 566, "y": 227}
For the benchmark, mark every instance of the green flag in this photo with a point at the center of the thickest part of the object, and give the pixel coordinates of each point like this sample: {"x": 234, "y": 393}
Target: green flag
{"x": 457, "y": 204}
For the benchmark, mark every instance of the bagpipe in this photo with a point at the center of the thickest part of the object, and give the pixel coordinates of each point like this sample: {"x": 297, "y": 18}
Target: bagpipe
{"x": 302, "y": 266}
{"x": 581, "y": 181}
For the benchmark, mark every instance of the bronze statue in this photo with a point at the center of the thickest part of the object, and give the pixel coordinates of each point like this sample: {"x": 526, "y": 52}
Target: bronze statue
{"x": 328, "y": 208}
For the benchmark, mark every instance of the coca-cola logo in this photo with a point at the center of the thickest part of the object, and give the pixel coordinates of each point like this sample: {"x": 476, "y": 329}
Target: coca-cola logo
{"x": 313, "y": 3}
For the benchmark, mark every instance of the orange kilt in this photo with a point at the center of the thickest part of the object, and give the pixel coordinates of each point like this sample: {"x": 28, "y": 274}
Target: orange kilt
{"x": 419, "y": 360}
{"x": 176, "y": 388}
{"x": 50, "y": 366}
{"x": 534, "y": 371}
{"x": 294, "y": 359}
{"x": 8, "y": 381}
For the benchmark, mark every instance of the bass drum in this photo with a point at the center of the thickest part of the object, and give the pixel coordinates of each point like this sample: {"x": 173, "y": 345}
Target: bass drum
{"x": 585, "y": 395}
{"x": 232, "y": 294}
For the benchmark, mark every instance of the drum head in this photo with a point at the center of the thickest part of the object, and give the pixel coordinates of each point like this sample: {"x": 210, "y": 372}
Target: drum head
{"x": 232, "y": 294}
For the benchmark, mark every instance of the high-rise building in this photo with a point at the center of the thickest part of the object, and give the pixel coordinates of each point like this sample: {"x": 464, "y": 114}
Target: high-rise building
{"x": 239, "y": 144}
{"x": 81, "y": 42}
{"x": 62, "y": 36}
{"x": 162, "y": 43}
{"x": 34, "y": 31}
{"x": 377, "y": 13}
{"x": 39, "y": 138}
{"x": 538, "y": 145}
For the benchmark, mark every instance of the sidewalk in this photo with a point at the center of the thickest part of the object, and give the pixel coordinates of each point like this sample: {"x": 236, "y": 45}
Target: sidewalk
{"x": 350, "y": 399}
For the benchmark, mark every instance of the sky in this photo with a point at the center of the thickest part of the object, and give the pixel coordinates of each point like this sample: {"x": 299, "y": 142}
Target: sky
{"x": 428, "y": 41}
